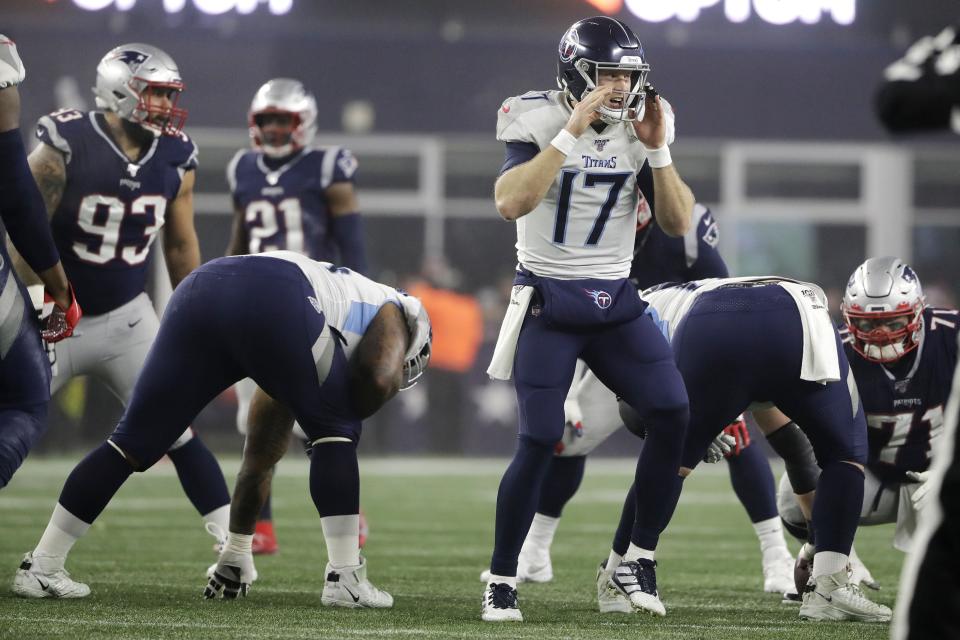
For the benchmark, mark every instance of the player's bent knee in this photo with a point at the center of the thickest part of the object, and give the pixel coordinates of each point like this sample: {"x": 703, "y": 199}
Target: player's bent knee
{"x": 541, "y": 414}
{"x": 130, "y": 459}
{"x": 184, "y": 438}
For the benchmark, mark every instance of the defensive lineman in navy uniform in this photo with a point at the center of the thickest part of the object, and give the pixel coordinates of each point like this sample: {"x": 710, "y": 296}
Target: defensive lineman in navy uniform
{"x": 111, "y": 179}
{"x": 326, "y": 345}
{"x": 24, "y": 368}
{"x": 903, "y": 354}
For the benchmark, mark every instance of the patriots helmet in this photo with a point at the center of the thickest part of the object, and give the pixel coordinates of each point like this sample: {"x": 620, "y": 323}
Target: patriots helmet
{"x": 283, "y": 96}
{"x": 602, "y": 44}
{"x": 883, "y": 308}
{"x": 126, "y": 77}
{"x": 418, "y": 353}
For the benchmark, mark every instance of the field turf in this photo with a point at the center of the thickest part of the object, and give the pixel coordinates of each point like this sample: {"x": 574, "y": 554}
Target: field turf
{"x": 431, "y": 534}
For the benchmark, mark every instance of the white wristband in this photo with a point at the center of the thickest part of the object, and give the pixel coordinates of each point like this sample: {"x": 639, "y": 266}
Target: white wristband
{"x": 564, "y": 142}
{"x": 659, "y": 158}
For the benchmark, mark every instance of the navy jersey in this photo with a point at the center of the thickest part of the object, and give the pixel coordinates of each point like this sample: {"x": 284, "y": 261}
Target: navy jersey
{"x": 658, "y": 258}
{"x": 285, "y": 208}
{"x": 112, "y": 207}
{"x": 905, "y": 412}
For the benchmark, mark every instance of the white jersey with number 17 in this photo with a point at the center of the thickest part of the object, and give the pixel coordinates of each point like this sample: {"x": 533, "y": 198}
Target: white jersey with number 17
{"x": 584, "y": 227}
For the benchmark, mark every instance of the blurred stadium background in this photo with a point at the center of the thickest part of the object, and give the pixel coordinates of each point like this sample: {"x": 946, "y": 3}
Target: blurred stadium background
{"x": 776, "y": 133}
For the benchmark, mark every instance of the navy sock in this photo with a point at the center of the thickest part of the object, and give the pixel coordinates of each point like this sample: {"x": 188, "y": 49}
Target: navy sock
{"x": 92, "y": 483}
{"x": 517, "y": 502}
{"x": 621, "y": 539}
{"x": 200, "y": 476}
{"x": 753, "y": 483}
{"x": 561, "y": 484}
{"x": 836, "y": 509}
{"x": 335, "y": 479}
{"x": 657, "y": 478}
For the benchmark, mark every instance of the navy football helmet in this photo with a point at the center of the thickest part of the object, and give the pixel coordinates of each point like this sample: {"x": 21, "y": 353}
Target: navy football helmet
{"x": 598, "y": 44}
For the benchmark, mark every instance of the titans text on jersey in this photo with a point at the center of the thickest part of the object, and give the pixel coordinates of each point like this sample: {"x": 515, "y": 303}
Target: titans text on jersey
{"x": 584, "y": 226}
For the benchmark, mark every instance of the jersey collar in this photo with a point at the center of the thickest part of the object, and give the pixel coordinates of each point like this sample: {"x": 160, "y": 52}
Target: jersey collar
{"x": 144, "y": 158}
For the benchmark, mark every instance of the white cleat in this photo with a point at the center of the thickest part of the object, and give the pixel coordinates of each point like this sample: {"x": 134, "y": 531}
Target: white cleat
{"x": 610, "y": 597}
{"x": 500, "y": 604}
{"x": 859, "y": 574}
{"x": 531, "y": 567}
{"x": 349, "y": 587}
{"x": 778, "y": 571}
{"x": 834, "y": 598}
{"x": 638, "y": 579}
{"x": 34, "y": 580}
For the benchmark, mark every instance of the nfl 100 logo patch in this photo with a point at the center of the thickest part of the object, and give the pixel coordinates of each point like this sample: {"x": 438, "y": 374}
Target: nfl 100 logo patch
{"x": 600, "y": 143}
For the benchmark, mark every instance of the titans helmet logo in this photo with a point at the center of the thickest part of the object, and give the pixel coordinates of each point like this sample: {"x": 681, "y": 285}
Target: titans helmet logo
{"x": 569, "y": 45}
{"x": 600, "y": 298}
{"x": 132, "y": 59}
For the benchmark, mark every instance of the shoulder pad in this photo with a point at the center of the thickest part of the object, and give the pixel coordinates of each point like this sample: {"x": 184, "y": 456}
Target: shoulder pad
{"x": 60, "y": 128}
{"x": 185, "y": 151}
{"x": 12, "y": 71}
{"x": 518, "y": 116}
{"x": 232, "y": 168}
{"x": 338, "y": 165}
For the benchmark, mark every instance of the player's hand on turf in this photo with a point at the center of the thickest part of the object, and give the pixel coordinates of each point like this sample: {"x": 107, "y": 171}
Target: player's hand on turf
{"x": 231, "y": 576}
{"x": 720, "y": 447}
{"x": 652, "y": 129}
{"x": 62, "y": 318}
{"x": 585, "y": 112}
{"x": 738, "y": 431}
{"x": 920, "y": 495}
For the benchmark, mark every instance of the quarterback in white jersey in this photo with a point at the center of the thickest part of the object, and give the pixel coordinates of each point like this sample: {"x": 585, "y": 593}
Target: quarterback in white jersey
{"x": 585, "y": 224}
{"x": 569, "y": 181}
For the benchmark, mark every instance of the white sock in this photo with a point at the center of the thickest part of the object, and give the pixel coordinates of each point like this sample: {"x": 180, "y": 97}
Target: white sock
{"x": 342, "y": 535}
{"x": 770, "y": 534}
{"x": 62, "y": 532}
{"x": 220, "y": 517}
{"x": 509, "y": 580}
{"x": 540, "y": 536}
{"x": 613, "y": 560}
{"x": 827, "y": 563}
{"x": 241, "y": 543}
{"x": 635, "y": 553}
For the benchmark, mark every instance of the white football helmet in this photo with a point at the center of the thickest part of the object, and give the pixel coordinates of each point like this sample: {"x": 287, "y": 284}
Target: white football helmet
{"x": 883, "y": 308}
{"x": 283, "y": 96}
{"x": 124, "y": 77}
{"x": 421, "y": 339}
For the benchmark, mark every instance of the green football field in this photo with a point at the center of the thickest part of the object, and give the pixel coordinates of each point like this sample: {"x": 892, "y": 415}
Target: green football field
{"x": 431, "y": 534}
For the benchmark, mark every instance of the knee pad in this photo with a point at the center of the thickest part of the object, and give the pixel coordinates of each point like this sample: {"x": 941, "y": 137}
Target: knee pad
{"x": 541, "y": 415}
{"x": 791, "y": 444}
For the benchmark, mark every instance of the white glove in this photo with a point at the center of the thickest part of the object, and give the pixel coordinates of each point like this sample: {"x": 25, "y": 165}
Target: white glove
{"x": 572, "y": 415}
{"x": 721, "y": 446}
{"x": 920, "y": 495}
{"x": 232, "y": 575}
{"x": 12, "y": 71}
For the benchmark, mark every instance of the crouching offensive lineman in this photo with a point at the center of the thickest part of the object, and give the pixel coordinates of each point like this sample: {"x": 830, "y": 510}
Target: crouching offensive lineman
{"x": 778, "y": 347}
{"x": 327, "y": 349}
